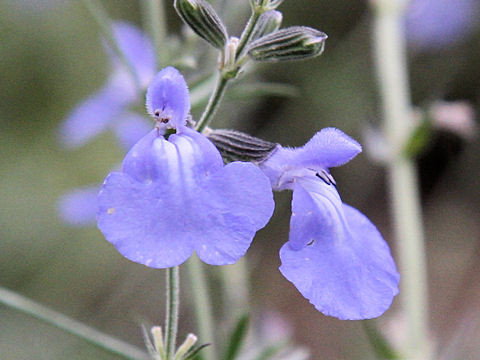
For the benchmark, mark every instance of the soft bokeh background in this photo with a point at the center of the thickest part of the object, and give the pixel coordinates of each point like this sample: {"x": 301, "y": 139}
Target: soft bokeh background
{"x": 51, "y": 57}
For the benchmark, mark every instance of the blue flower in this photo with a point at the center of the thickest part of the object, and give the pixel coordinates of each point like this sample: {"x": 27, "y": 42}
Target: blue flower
{"x": 434, "y": 24}
{"x": 175, "y": 196}
{"x": 335, "y": 256}
{"x": 108, "y": 108}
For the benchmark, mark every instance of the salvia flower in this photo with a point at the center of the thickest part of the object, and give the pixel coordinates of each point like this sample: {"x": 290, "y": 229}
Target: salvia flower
{"x": 108, "y": 108}
{"x": 435, "y": 24}
{"x": 175, "y": 196}
{"x": 335, "y": 256}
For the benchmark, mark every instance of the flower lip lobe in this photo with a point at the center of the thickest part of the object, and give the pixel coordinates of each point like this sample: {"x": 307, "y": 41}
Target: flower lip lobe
{"x": 208, "y": 208}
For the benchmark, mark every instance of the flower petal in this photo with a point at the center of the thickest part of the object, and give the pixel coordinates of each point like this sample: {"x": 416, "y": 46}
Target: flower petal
{"x": 78, "y": 207}
{"x": 130, "y": 128}
{"x": 175, "y": 196}
{"x": 92, "y": 117}
{"x": 327, "y": 148}
{"x": 347, "y": 270}
{"x": 238, "y": 201}
{"x": 138, "y": 48}
{"x": 434, "y": 24}
{"x": 168, "y": 98}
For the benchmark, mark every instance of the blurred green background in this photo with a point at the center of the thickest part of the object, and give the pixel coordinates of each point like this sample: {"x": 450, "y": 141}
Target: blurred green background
{"x": 51, "y": 57}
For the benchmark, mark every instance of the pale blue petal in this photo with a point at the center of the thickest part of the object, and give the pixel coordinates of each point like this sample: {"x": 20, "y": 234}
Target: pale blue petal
{"x": 343, "y": 265}
{"x": 138, "y": 49}
{"x": 168, "y": 98}
{"x": 434, "y": 24}
{"x": 175, "y": 196}
{"x": 327, "y": 148}
{"x": 78, "y": 207}
{"x": 92, "y": 117}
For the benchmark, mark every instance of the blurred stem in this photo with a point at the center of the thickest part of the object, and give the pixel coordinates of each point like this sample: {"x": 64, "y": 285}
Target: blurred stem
{"x": 76, "y": 328}
{"x": 103, "y": 21}
{"x": 391, "y": 64}
{"x": 235, "y": 288}
{"x": 153, "y": 13}
{"x": 173, "y": 302}
{"x": 203, "y": 305}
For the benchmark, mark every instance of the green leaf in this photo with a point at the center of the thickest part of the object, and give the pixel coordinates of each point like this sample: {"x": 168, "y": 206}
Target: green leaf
{"x": 237, "y": 338}
{"x": 381, "y": 347}
{"x": 419, "y": 139}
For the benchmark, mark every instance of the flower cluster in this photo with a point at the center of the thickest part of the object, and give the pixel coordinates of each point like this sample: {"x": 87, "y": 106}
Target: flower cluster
{"x": 174, "y": 196}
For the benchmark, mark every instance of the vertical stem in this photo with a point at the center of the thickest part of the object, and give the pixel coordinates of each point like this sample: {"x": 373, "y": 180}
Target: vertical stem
{"x": 173, "y": 302}
{"x": 247, "y": 32}
{"x": 235, "y": 288}
{"x": 391, "y": 60}
{"x": 202, "y": 303}
{"x": 100, "y": 16}
{"x": 213, "y": 103}
{"x": 153, "y": 14}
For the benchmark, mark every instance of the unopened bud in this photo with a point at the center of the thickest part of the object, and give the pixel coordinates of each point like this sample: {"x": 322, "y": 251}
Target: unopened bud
{"x": 267, "y": 23}
{"x": 293, "y": 43}
{"x": 237, "y": 146}
{"x": 203, "y": 19}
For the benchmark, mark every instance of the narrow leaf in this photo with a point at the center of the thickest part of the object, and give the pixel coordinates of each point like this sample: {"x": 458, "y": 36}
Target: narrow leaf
{"x": 237, "y": 338}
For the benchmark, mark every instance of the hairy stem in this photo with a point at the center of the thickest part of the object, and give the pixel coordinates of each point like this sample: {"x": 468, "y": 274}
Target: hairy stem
{"x": 391, "y": 61}
{"x": 213, "y": 103}
{"x": 173, "y": 302}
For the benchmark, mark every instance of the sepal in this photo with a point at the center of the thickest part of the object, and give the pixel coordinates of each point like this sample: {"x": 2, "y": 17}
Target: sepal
{"x": 267, "y": 23}
{"x": 203, "y": 19}
{"x": 292, "y": 43}
{"x": 237, "y": 146}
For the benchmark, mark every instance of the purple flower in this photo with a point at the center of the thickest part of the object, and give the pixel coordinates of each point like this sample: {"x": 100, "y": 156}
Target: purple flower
{"x": 107, "y": 107}
{"x": 174, "y": 196}
{"x": 335, "y": 256}
{"x": 78, "y": 207}
{"x": 433, "y": 24}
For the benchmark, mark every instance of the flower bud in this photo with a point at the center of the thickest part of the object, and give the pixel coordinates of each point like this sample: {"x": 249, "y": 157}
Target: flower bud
{"x": 237, "y": 146}
{"x": 293, "y": 43}
{"x": 267, "y": 23}
{"x": 203, "y": 19}
{"x": 267, "y": 4}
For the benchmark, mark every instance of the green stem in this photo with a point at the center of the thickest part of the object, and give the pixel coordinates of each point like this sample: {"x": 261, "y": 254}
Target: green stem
{"x": 406, "y": 209}
{"x": 247, "y": 32}
{"x": 202, "y": 304}
{"x": 173, "y": 302}
{"x": 101, "y": 18}
{"x": 235, "y": 288}
{"x": 76, "y": 328}
{"x": 222, "y": 80}
{"x": 153, "y": 14}
{"x": 213, "y": 103}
